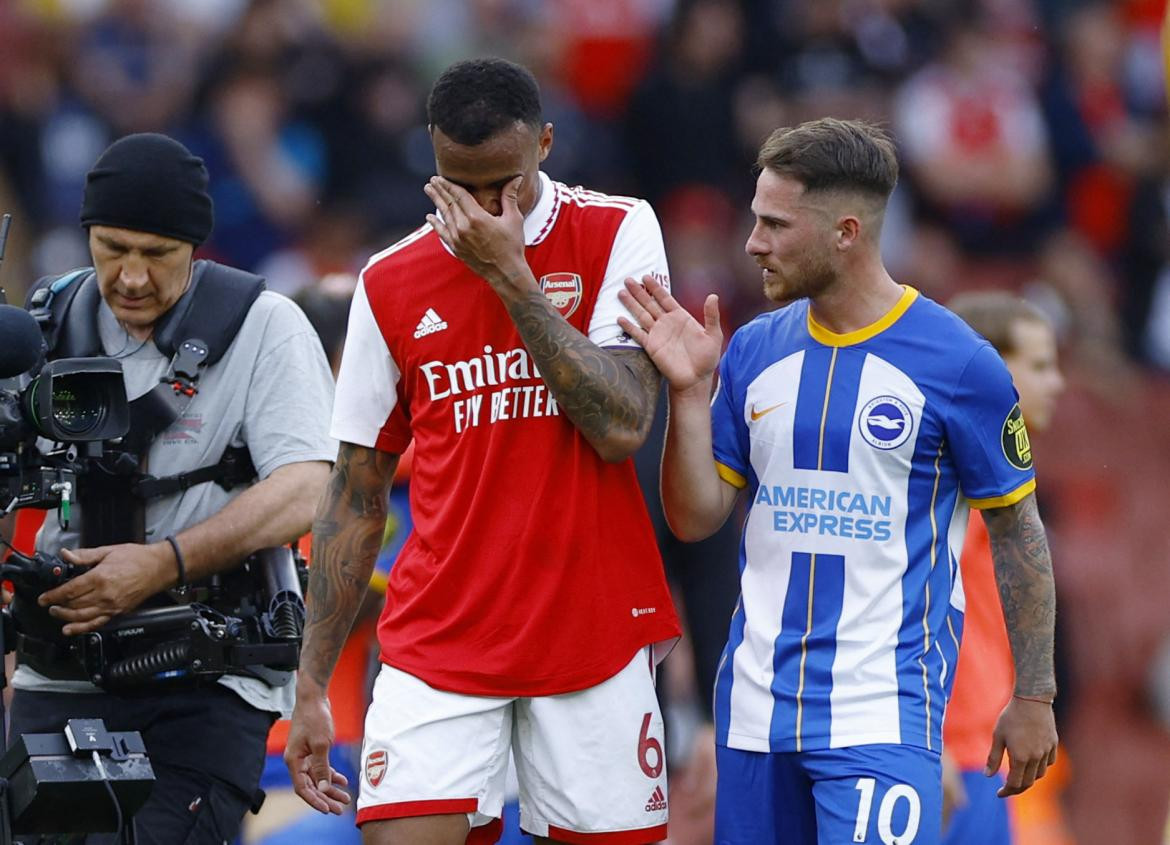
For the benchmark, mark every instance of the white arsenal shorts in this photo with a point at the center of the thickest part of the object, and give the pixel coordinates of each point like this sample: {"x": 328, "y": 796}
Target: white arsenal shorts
{"x": 590, "y": 763}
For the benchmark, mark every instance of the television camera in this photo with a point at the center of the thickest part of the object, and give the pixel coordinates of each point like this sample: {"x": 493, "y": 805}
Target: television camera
{"x": 63, "y": 422}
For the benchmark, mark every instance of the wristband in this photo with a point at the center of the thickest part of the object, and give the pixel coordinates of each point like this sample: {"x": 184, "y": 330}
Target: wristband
{"x": 1037, "y": 700}
{"x": 182, "y": 585}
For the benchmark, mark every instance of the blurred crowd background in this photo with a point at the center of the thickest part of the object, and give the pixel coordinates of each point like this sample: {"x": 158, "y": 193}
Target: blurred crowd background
{"x": 1035, "y": 154}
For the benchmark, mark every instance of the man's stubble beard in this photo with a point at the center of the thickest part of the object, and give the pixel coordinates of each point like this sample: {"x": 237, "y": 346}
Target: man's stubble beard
{"x": 811, "y": 283}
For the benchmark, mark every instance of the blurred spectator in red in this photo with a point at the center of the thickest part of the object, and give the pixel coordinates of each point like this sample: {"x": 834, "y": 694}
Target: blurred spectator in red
{"x": 1101, "y": 144}
{"x": 974, "y": 139}
{"x": 1105, "y": 471}
{"x": 607, "y": 46}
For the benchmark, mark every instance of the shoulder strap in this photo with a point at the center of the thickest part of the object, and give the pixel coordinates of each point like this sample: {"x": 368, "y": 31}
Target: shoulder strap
{"x": 194, "y": 334}
{"x": 212, "y": 310}
{"x": 69, "y": 332}
{"x": 234, "y": 468}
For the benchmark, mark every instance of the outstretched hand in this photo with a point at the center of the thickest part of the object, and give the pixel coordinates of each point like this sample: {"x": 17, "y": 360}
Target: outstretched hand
{"x": 492, "y": 247}
{"x": 685, "y": 351}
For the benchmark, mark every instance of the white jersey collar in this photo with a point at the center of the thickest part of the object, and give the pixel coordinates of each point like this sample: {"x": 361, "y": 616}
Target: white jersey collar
{"x": 539, "y": 221}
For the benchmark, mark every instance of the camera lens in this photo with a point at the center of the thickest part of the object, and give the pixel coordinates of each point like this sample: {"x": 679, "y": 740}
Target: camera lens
{"x": 78, "y": 399}
{"x": 78, "y": 405}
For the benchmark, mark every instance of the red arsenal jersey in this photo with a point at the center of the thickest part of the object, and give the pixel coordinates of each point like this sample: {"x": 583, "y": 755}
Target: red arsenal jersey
{"x": 532, "y": 569}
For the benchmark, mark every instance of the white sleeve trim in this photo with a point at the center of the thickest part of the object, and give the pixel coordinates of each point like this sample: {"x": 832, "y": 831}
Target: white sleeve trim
{"x": 367, "y": 382}
{"x": 637, "y": 251}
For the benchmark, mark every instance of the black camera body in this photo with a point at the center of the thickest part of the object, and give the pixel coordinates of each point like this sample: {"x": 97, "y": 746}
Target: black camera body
{"x": 74, "y": 400}
{"x": 253, "y": 627}
{"x": 77, "y": 403}
{"x": 245, "y": 622}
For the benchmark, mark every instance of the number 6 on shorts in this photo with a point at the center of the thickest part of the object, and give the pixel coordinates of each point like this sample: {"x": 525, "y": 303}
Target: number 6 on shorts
{"x": 647, "y": 745}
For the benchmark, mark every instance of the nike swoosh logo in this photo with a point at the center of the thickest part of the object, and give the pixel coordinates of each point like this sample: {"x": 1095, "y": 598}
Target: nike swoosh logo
{"x": 757, "y": 414}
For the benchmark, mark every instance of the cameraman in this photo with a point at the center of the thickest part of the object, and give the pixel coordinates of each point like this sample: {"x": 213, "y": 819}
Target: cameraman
{"x": 146, "y": 208}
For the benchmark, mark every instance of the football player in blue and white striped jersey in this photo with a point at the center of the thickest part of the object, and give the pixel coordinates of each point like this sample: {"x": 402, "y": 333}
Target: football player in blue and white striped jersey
{"x": 862, "y": 420}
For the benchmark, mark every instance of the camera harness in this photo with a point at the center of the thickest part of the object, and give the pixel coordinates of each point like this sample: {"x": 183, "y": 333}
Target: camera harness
{"x": 195, "y": 333}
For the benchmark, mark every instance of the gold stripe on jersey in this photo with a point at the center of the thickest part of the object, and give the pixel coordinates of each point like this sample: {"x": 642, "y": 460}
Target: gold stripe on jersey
{"x": 926, "y": 611}
{"x": 812, "y": 566}
{"x": 812, "y": 577}
{"x": 1007, "y": 499}
{"x": 730, "y": 476}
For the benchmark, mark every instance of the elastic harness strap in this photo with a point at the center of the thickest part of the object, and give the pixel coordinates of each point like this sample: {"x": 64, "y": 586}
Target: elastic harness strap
{"x": 234, "y": 468}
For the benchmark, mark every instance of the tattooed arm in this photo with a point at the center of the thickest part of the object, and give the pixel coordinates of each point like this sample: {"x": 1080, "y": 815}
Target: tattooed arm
{"x": 1023, "y": 570}
{"x": 347, "y": 535}
{"x": 609, "y": 395}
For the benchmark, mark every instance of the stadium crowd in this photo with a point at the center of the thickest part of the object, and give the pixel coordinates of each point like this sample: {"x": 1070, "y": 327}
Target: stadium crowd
{"x": 1036, "y": 159}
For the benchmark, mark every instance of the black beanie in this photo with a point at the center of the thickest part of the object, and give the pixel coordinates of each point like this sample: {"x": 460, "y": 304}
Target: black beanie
{"x": 149, "y": 183}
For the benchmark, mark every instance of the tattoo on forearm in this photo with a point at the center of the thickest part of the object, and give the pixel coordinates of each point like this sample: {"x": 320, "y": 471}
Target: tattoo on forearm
{"x": 601, "y": 391}
{"x": 347, "y": 535}
{"x": 1023, "y": 569}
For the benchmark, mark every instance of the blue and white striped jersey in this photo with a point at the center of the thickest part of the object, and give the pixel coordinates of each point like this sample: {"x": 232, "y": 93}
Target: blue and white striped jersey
{"x": 861, "y": 453}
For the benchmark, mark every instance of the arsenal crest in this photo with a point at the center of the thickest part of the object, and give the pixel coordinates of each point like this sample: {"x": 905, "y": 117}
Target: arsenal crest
{"x": 563, "y": 291}
{"x": 375, "y": 767}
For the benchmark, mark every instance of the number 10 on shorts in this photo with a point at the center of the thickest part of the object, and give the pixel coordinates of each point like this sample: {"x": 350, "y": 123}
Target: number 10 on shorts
{"x": 885, "y": 815}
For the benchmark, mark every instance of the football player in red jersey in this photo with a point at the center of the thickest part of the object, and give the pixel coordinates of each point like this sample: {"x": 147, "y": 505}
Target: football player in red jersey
{"x": 522, "y": 614}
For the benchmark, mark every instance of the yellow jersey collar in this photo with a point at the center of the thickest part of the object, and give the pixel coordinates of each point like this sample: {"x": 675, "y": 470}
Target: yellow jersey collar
{"x": 829, "y": 338}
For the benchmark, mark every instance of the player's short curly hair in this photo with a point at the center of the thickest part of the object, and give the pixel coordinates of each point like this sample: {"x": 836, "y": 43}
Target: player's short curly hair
{"x": 473, "y": 100}
{"x": 830, "y": 154}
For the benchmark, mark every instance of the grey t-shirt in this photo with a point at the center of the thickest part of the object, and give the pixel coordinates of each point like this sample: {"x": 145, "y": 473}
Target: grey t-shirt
{"x": 272, "y": 391}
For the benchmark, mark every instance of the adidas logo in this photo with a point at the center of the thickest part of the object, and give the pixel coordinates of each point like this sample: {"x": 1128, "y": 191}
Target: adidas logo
{"x": 657, "y": 801}
{"x": 429, "y": 324}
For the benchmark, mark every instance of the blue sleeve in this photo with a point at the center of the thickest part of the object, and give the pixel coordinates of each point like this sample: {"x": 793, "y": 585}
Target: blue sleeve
{"x": 729, "y": 433}
{"x": 986, "y": 433}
